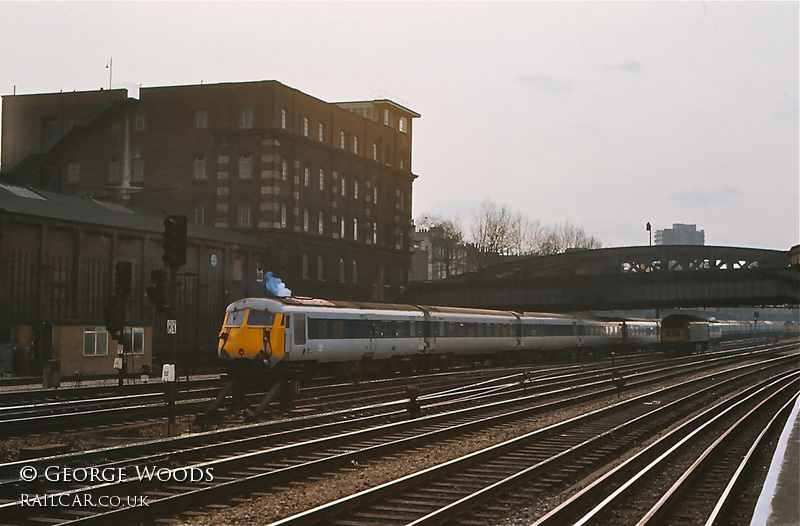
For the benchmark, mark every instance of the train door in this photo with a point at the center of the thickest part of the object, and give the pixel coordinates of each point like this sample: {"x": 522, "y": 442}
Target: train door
{"x": 373, "y": 338}
{"x": 295, "y": 335}
{"x": 428, "y": 332}
{"x": 299, "y": 328}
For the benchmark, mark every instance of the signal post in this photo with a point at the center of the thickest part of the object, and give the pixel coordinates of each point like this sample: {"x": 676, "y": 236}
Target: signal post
{"x": 163, "y": 293}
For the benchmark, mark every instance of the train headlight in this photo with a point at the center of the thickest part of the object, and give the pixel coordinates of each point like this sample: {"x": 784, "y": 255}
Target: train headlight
{"x": 241, "y": 351}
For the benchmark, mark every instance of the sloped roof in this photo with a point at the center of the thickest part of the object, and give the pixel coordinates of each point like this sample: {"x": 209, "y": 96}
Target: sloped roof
{"x": 52, "y": 205}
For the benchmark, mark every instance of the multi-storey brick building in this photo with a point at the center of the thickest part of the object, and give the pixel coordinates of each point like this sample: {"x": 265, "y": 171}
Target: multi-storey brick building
{"x": 327, "y": 186}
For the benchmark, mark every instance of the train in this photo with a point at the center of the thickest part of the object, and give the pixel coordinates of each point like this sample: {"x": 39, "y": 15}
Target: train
{"x": 339, "y": 337}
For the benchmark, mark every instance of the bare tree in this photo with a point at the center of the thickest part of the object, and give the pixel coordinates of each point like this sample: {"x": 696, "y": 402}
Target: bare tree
{"x": 496, "y": 233}
{"x": 524, "y": 236}
{"x": 567, "y": 236}
{"x": 490, "y": 233}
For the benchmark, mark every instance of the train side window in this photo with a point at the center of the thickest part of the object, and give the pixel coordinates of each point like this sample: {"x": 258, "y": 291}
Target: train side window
{"x": 299, "y": 329}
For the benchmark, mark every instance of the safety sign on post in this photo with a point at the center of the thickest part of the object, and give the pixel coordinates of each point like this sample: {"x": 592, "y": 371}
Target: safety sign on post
{"x": 172, "y": 326}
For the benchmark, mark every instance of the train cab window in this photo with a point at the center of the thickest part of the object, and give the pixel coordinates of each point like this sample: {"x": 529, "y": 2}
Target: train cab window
{"x": 235, "y": 318}
{"x": 260, "y": 318}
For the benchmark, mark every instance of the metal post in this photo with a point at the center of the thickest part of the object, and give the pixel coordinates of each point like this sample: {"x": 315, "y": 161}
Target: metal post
{"x": 121, "y": 372}
{"x": 172, "y": 336}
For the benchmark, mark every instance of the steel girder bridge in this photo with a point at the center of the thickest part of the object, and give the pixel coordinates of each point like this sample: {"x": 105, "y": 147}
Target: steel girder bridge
{"x": 665, "y": 276}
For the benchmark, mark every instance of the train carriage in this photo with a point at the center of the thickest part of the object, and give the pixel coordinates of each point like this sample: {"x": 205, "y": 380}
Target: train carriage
{"x": 311, "y": 330}
{"x": 451, "y": 330}
{"x": 641, "y": 334}
{"x": 546, "y": 332}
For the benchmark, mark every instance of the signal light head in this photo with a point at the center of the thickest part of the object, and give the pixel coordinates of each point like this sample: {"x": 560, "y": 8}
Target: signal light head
{"x": 174, "y": 242}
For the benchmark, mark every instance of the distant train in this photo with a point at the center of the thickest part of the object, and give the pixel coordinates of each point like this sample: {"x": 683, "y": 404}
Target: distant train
{"x": 335, "y": 336}
{"x": 684, "y": 333}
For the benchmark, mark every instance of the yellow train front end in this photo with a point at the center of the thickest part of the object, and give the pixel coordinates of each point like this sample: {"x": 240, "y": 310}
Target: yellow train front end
{"x": 251, "y": 336}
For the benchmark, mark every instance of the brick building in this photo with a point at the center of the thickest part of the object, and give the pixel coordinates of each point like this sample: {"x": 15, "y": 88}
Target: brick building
{"x": 326, "y": 186}
{"x": 57, "y": 259}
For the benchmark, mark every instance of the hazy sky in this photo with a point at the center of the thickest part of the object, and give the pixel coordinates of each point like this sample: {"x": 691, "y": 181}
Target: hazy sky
{"x": 604, "y": 115}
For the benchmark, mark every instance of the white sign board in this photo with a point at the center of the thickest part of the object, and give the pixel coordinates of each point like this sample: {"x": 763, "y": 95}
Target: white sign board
{"x": 172, "y": 326}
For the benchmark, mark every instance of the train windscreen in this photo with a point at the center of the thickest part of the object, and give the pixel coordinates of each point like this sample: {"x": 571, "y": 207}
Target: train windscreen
{"x": 234, "y": 318}
{"x": 260, "y": 318}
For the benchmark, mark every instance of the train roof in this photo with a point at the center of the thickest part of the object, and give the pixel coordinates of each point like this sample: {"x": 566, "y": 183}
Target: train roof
{"x": 467, "y": 311}
{"x": 283, "y": 304}
{"x": 549, "y": 315}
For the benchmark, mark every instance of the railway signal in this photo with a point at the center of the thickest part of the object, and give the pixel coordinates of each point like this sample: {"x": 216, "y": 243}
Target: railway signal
{"x": 174, "y": 242}
{"x": 157, "y": 291}
{"x": 113, "y": 318}
{"x": 123, "y": 278}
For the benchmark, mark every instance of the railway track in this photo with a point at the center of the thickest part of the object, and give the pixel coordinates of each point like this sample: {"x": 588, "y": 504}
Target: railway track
{"x": 41, "y": 411}
{"x": 240, "y": 463}
{"x": 689, "y": 476}
{"x": 543, "y": 462}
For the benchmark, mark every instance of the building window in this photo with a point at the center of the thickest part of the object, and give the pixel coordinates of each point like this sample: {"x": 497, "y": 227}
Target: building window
{"x": 342, "y": 276}
{"x": 321, "y": 180}
{"x": 113, "y": 175}
{"x": 375, "y": 195}
{"x": 374, "y": 233}
{"x": 243, "y": 214}
{"x": 321, "y": 222}
{"x": 95, "y": 342}
{"x": 307, "y": 177}
{"x": 320, "y": 269}
{"x": 355, "y": 190}
{"x": 321, "y": 132}
{"x": 284, "y": 170}
{"x": 201, "y": 119}
{"x": 387, "y": 156}
{"x": 374, "y": 151}
{"x": 355, "y": 229}
{"x": 341, "y": 140}
{"x": 73, "y": 172}
{"x": 355, "y": 272}
{"x": 403, "y": 125}
{"x": 246, "y": 118}
{"x": 305, "y": 220}
{"x": 283, "y": 119}
{"x": 139, "y": 122}
{"x": 199, "y": 168}
{"x": 283, "y": 216}
{"x": 135, "y": 338}
{"x": 199, "y": 213}
{"x": 341, "y": 227}
{"x": 137, "y": 176}
{"x": 245, "y": 167}
{"x": 305, "y": 266}
{"x": 305, "y": 126}
{"x": 344, "y": 187}
{"x": 386, "y": 117}
{"x": 355, "y": 144}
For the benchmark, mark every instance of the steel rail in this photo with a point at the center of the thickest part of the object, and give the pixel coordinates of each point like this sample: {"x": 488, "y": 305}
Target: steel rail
{"x": 652, "y": 456}
{"x": 399, "y": 486}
